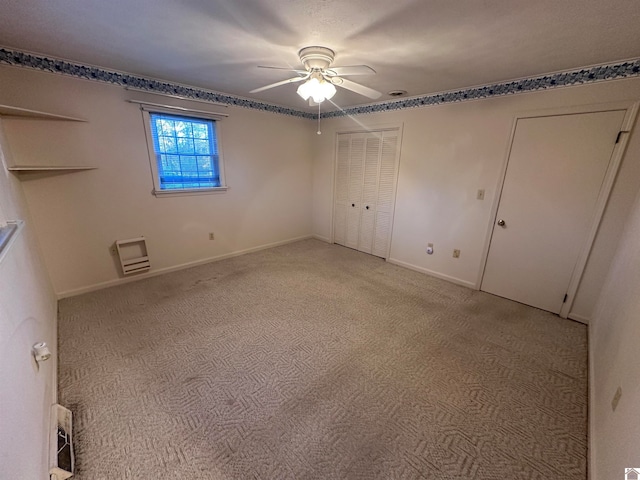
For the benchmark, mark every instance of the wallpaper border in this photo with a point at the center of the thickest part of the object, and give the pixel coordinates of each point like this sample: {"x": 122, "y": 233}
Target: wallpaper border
{"x": 581, "y": 76}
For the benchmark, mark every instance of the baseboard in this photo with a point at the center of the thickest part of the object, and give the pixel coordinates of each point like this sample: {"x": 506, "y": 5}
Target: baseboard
{"x": 590, "y": 408}
{"x": 161, "y": 271}
{"x": 321, "y": 238}
{"x": 442, "y": 276}
{"x": 579, "y": 318}
{"x": 54, "y": 359}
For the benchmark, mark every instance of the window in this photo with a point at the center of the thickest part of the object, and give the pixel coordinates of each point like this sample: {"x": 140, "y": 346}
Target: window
{"x": 186, "y": 156}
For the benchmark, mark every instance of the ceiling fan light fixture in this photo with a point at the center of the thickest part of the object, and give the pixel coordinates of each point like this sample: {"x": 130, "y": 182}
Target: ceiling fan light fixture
{"x": 318, "y": 89}
{"x": 320, "y": 81}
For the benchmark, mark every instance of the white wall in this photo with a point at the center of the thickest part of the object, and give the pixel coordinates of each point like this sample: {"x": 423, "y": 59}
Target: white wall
{"x": 78, "y": 216}
{"x": 27, "y": 316}
{"x": 448, "y": 153}
{"x": 278, "y": 193}
{"x": 615, "y": 357}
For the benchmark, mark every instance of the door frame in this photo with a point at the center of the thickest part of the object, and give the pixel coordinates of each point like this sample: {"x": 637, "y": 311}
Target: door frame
{"x": 361, "y": 128}
{"x": 631, "y": 110}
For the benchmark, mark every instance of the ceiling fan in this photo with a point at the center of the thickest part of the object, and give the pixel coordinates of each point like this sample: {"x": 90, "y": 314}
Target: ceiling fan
{"x": 320, "y": 79}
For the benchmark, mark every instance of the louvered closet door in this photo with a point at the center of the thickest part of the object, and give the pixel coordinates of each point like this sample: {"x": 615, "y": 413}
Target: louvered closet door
{"x": 341, "y": 204}
{"x": 366, "y": 177}
{"x": 389, "y": 157}
{"x": 356, "y": 169}
{"x": 369, "y": 193}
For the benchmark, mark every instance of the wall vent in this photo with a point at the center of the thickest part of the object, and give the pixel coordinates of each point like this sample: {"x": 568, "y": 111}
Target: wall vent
{"x": 61, "y": 456}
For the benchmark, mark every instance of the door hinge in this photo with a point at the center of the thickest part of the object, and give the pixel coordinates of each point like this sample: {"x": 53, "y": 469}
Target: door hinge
{"x": 620, "y": 134}
{"x": 566, "y": 295}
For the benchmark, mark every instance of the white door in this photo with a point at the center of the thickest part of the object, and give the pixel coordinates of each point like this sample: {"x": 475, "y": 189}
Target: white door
{"x": 556, "y": 167}
{"x": 366, "y": 176}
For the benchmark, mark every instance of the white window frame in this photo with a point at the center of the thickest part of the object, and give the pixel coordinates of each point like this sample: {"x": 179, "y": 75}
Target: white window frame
{"x": 183, "y": 112}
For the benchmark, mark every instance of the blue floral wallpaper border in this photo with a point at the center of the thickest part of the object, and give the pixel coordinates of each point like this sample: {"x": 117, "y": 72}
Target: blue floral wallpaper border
{"x": 562, "y": 79}
{"x": 575, "y": 77}
{"x": 21, "y": 59}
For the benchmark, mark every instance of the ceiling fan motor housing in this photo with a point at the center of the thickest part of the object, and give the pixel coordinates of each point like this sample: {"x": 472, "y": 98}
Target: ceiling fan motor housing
{"x": 316, "y": 57}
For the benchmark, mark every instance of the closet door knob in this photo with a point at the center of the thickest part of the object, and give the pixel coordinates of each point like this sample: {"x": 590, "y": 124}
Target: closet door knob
{"x": 367, "y": 207}
{"x": 353, "y": 204}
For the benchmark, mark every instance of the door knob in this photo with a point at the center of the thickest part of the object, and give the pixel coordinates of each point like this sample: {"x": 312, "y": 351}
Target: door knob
{"x": 367, "y": 207}
{"x": 501, "y": 223}
{"x": 353, "y": 204}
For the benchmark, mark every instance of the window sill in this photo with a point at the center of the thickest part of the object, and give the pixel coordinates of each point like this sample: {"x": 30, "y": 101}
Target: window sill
{"x": 189, "y": 192}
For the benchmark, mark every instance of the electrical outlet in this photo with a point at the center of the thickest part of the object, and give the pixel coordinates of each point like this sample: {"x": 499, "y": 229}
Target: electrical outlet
{"x": 456, "y": 253}
{"x": 113, "y": 250}
{"x": 212, "y": 236}
{"x": 616, "y": 399}
{"x": 430, "y": 248}
{"x": 480, "y": 195}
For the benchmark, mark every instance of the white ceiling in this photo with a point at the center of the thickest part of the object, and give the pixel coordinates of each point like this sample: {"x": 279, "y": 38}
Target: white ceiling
{"x": 421, "y": 46}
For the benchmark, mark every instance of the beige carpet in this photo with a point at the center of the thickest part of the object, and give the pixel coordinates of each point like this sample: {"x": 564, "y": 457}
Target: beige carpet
{"x": 313, "y": 361}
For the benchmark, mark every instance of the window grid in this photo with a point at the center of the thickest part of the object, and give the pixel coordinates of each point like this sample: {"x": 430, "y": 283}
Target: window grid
{"x": 186, "y": 152}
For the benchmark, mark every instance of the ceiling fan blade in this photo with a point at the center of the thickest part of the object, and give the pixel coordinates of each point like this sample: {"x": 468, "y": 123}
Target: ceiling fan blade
{"x": 287, "y": 69}
{"x": 350, "y": 70}
{"x": 277, "y": 84}
{"x": 361, "y": 89}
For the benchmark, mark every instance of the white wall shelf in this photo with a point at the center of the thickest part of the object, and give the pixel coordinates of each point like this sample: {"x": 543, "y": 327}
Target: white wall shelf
{"x": 9, "y": 111}
{"x": 26, "y": 169}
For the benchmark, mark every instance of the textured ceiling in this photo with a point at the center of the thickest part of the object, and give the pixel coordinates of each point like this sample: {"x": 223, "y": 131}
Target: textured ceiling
{"x": 421, "y": 46}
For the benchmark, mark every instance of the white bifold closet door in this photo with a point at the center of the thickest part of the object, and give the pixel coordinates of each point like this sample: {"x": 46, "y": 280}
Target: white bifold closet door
{"x": 367, "y": 165}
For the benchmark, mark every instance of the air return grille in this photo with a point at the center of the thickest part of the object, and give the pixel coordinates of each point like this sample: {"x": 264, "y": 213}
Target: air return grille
{"x": 61, "y": 443}
{"x": 133, "y": 255}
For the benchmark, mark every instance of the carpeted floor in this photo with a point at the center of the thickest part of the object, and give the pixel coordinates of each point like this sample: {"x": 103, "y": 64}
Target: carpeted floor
{"x": 313, "y": 361}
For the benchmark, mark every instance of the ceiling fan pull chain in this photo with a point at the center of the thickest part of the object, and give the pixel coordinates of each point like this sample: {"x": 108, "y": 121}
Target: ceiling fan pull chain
{"x": 319, "y": 132}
